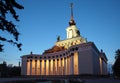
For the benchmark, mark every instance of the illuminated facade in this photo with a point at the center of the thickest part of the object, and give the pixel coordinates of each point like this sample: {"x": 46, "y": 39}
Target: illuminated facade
{"x": 72, "y": 56}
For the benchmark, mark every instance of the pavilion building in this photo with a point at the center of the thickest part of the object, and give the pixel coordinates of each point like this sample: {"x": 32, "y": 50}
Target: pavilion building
{"x": 72, "y": 56}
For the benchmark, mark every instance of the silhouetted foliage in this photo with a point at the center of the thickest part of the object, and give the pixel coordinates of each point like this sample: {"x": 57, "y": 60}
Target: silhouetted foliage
{"x": 14, "y": 71}
{"x": 9, "y": 71}
{"x": 116, "y": 66}
{"x": 8, "y": 7}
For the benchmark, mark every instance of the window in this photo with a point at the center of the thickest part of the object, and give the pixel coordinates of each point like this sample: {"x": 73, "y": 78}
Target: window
{"x": 52, "y": 56}
{"x": 40, "y": 57}
{"x": 60, "y": 55}
{"x": 76, "y": 48}
{"x": 45, "y": 57}
{"x": 72, "y": 49}
{"x": 66, "y": 53}
{"x": 72, "y": 54}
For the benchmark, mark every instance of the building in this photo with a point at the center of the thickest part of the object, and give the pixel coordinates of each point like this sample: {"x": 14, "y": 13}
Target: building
{"x": 72, "y": 56}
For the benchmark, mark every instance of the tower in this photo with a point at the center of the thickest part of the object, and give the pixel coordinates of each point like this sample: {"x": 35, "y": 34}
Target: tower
{"x": 73, "y": 34}
{"x": 72, "y": 30}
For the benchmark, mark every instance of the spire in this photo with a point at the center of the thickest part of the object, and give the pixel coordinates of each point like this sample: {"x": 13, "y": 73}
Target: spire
{"x": 72, "y": 22}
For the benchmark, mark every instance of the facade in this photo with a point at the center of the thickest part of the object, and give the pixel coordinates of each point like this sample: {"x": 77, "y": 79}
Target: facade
{"x": 72, "y": 56}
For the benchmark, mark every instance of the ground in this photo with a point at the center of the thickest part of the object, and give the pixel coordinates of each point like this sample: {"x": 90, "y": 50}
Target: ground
{"x": 84, "y": 80}
{"x": 102, "y": 80}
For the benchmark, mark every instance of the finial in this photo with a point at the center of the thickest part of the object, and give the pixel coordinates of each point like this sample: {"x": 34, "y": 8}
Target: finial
{"x": 58, "y": 38}
{"x": 71, "y": 6}
{"x": 71, "y": 18}
{"x": 31, "y": 52}
{"x": 101, "y": 50}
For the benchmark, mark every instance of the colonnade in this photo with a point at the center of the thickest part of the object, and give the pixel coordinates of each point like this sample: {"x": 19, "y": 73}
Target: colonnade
{"x": 56, "y": 66}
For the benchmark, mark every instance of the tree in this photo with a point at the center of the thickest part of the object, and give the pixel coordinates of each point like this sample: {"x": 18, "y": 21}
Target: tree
{"x": 116, "y": 66}
{"x": 8, "y": 7}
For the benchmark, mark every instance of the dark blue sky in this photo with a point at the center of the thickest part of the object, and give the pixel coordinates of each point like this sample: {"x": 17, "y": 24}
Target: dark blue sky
{"x": 43, "y": 20}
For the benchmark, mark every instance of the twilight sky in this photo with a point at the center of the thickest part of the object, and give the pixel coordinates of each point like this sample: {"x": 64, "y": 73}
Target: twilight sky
{"x": 43, "y": 20}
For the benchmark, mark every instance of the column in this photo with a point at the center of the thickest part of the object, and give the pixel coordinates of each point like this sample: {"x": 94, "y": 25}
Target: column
{"x": 61, "y": 67}
{"x": 40, "y": 67}
{"x": 71, "y": 65}
{"x": 65, "y": 66}
{"x": 49, "y": 67}
{"x": 57, "y": 66}
{"x": 54, "y": 67}
{"x": 68, "y": 65}
{"x": 76, "y": 63}
{"x": 100, "y": 59}
{"x": 30, "y": 67}
{"x": 44, "y": 67}
{"x": 35, "y": 67}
